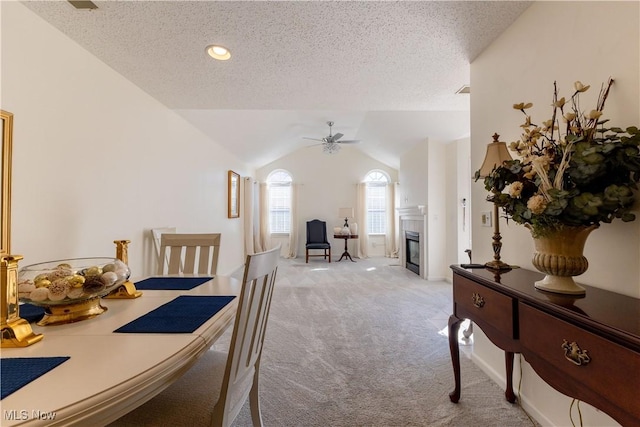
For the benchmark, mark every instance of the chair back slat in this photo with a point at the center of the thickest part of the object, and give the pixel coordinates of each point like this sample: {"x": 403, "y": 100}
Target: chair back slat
{"x": 247, "y": 340}
{"x": 204, "y": 259}
{"x": 156, "y": 234}
{"x": 189, "y": 253}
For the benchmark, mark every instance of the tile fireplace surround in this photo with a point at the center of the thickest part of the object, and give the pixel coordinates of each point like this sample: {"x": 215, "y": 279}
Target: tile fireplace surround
{"x": 414, "y": 218}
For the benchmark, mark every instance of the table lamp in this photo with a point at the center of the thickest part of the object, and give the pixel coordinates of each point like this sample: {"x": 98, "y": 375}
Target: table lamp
{"x": 346, "y": 213}
{"x": 496, "y": 154}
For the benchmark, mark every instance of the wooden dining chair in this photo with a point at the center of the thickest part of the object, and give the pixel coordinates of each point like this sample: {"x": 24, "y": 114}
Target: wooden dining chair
{"x": 156, "y": 234}
{"x": 189, "y": 253}
{"x": 216, "y": 388}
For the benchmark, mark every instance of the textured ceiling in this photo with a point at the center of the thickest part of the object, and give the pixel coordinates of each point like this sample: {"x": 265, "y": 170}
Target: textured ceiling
{"x": 385, "y": 72}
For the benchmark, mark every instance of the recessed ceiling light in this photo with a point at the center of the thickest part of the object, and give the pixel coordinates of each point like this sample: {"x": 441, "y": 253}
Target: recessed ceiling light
{"x": 218, "y": 52}
{"x": 88, "y": 5}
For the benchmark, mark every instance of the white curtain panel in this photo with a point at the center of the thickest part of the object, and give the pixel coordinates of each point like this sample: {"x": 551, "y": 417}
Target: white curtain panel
{"x": 293, "y": 226}
{"x": 249, "y": 224}
{"x": 391, "y": 243}
{"x": 361, "y": 216}
{"x": 264, "y": 240}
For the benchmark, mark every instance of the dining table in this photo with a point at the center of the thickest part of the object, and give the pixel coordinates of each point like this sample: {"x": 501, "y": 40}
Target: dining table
{"x": 106, "y": 373}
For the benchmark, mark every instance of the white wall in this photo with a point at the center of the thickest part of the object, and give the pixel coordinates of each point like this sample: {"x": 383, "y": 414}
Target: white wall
{"x": 436, "y": 174}
{"x": 96, "y": 159}
{"x": 562, "y": 41}
{"x": 414, "y": 175}
{"x": 437, "y": 210}
{"x": 458, "y": 187}
{"x": 327, "y": 183}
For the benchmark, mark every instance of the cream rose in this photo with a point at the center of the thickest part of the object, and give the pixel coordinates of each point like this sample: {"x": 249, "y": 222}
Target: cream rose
{"x": 537, "y": 204}
{"x": 515, "y": 189}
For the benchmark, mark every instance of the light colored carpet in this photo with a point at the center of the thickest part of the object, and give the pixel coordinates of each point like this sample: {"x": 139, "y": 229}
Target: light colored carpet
{"x": 358, "y": 344}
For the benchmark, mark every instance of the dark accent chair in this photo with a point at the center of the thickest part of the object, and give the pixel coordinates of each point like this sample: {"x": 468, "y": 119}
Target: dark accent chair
{"x": 317, "y": 239}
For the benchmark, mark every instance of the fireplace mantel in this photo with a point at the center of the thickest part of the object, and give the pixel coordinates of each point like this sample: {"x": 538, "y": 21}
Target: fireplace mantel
{"x": 419, "y": 210}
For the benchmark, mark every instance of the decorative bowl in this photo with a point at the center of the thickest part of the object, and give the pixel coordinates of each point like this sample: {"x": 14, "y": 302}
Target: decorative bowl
{"x": 70, "y": 289}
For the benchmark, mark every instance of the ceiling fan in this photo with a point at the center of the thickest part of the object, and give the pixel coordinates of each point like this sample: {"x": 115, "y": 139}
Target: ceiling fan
{"x": 330, "y": 143}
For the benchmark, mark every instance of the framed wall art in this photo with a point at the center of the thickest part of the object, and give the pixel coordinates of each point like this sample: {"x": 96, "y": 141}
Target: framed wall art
{"x": 233, "y": 192}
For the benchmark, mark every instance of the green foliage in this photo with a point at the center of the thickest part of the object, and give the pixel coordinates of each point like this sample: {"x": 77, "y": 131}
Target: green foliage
{"x": 587, "y": 176}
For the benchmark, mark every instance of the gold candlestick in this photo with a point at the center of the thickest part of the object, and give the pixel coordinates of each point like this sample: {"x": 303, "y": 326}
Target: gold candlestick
{"x": 127, "y": 290}
{"x": 16, "y": 332}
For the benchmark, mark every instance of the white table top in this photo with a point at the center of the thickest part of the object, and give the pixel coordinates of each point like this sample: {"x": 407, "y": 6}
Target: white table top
{"x": 110, "y": 374}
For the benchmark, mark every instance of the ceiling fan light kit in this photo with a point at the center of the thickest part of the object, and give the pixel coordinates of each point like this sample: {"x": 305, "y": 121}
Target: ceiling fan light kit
{"x": 330, "y": 148}
{"x": 330, "y": 144}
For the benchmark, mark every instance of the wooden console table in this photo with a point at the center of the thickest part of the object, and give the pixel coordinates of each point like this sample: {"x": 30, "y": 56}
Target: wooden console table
{"x": 587, "y": 348}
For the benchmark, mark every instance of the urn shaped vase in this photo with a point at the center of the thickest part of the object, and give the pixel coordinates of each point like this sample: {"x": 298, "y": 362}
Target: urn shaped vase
{"x": 559, "y": 254}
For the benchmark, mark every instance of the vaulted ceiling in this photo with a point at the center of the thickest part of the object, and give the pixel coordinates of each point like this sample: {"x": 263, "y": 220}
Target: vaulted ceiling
{"x": 385, "y": 72}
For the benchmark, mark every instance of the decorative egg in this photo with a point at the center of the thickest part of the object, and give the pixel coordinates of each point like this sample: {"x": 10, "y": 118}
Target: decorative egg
{"x": 75, "y": 293}
{"x": 39, "y": 294}
{"x": 25, "y": 288}
{"x": 93, "y": 284}
{"x": 40, "y": 277}
{"x": 43, "y": 283}
{"x": 109, "y": 278}
{"x": 58, "y": 289}
{"x": 76, "y": 281}
{"x": 108, "y": 267}
{"x": 92, "y": 271}
{"x": 122, "y": 273}
{"x": 59, "y": 274}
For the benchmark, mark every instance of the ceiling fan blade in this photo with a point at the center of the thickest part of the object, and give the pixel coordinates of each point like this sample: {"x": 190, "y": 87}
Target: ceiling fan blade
{"x": 315, "y": 139}
{"x": 337, "y": 136}
{"x": 349, "y": 141}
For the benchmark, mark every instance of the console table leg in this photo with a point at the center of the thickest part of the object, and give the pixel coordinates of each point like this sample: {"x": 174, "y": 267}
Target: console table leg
{"x": 508, "y": 393}
{"x": 454, "y": 325}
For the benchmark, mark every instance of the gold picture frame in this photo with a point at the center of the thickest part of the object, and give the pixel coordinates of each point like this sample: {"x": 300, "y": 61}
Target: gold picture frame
{"x": 233, "y": 195}
{"x": 6, "y": 129}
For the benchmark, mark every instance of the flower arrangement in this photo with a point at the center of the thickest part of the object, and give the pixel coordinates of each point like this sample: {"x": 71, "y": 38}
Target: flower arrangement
{"x": 581, "y": 176}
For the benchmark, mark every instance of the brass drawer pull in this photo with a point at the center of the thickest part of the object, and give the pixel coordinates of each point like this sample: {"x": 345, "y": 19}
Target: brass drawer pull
{"x": 478, "y": 301}
{"x": 574, "y": 354}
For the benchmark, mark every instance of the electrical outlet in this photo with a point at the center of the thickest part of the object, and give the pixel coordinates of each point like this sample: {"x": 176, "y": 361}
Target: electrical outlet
{"x": 485, "y": 219}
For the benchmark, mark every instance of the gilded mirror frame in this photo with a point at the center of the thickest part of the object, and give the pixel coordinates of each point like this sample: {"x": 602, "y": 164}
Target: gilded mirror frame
{"x": 233, "y": 192}
{"x": 6, "y": 128}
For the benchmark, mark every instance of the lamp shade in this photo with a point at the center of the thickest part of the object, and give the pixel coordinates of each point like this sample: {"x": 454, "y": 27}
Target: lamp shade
{"x": 345, "y": 213}
{"x": 497, "y": 153}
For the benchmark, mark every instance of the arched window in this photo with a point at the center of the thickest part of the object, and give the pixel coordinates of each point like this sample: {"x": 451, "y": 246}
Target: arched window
{"x": 279, "y": 182}
{"x": 376, "y": 181}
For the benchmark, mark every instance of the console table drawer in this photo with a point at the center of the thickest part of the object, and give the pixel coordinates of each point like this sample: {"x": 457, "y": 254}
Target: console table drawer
{"x": 484, "y": 306}
{"x": 591, "y": 362}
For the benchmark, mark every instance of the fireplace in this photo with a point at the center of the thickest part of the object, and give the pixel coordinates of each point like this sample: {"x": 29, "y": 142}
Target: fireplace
{"x": 413, "y": 223}
{"x": 412, "y": 247}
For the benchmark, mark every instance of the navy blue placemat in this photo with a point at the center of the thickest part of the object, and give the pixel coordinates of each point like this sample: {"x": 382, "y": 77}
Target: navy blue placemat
{"x": 31, "y": 313}
{"x": 171, "y": 283}
{"x": 182, "y": 315}
{"x": 17, "y": 372}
